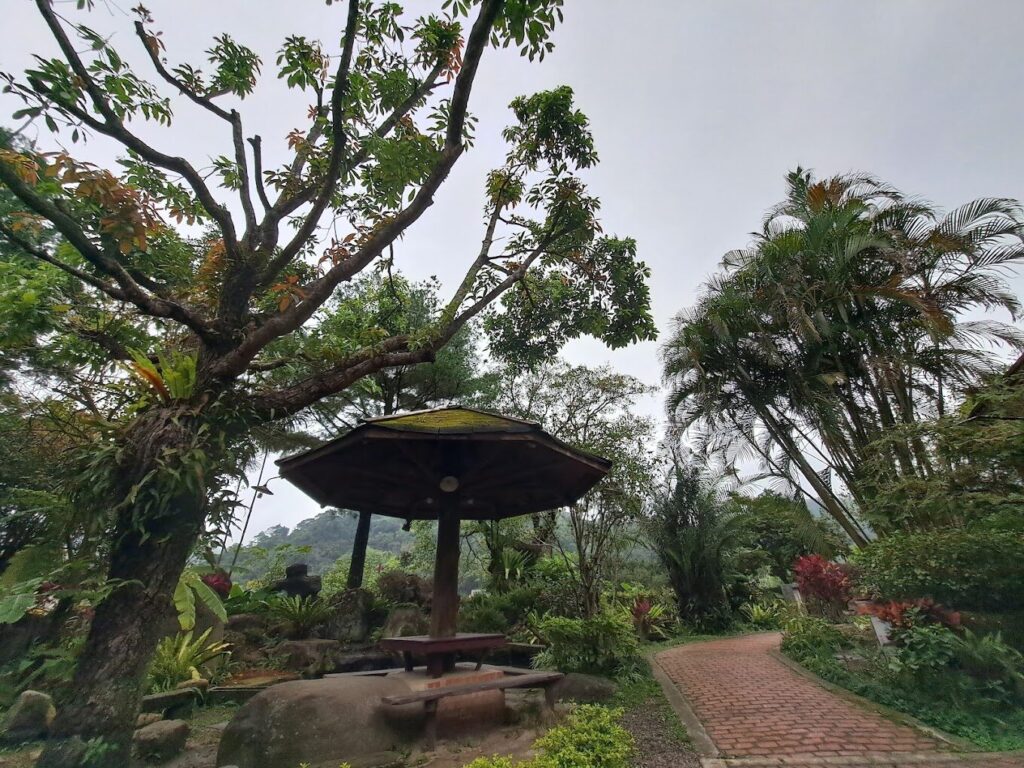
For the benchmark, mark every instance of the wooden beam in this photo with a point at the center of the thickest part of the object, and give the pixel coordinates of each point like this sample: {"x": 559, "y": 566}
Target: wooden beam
{"x": 444, "y": 609}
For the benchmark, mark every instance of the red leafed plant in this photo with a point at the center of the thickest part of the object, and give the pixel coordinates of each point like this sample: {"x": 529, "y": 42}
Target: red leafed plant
{"x": 822, "y": 579}
{"x": 218, "y": 582}
{"x": 903, "y": 614}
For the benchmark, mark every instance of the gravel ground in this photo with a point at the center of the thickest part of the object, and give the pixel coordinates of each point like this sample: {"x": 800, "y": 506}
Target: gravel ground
{"x": 661, "y": 740}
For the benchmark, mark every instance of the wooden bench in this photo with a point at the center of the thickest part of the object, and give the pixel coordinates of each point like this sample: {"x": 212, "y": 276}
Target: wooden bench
{"x": 514, "y": 678}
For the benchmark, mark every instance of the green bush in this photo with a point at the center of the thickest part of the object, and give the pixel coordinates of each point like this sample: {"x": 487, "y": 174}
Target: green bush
{"x": 605, "y": 644}
{"x": 768, "y": 614}
{"x": 809, "y": 638}
{"x": 995, "y": 669}
{"x": 557, "y": 586}
{"x": 179, "y": 659}
{"x": 300, "y": 615}
{"x": 498, "y": 611}
{"x": 965, "y": 569}
{"x": 482, "y": 614}
{"x": 924, "y": 649}
{"x": 591, "y": 737}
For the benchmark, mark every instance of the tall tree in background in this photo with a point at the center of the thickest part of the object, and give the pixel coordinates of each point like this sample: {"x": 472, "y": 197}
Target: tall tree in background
{"x": 593, "y": 409}
{"x": 692, "y": 527}
{"x": 844, "y": 319}
{"x": 211, "y": 320}
{"x": 392, "y": 305}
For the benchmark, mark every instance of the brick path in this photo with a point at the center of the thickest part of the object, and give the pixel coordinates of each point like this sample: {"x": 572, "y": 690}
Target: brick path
{"x": 758, "y": 713}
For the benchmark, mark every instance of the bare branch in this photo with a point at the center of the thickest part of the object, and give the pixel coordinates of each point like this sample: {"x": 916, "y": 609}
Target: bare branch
{"x": 257, "y": 167}
{"x": 149, "y": 43}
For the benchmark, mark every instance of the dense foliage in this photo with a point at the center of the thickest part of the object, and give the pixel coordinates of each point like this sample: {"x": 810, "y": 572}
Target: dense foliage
{"x": 967, "y": 569}
{"x": 841, "y": 323}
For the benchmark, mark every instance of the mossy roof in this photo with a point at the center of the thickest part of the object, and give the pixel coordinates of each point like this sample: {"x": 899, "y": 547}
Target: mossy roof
{"x": 453, "y": 420}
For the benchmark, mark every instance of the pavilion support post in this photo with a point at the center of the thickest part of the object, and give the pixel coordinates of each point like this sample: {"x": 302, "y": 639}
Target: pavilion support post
{"x": 444, "y": 610}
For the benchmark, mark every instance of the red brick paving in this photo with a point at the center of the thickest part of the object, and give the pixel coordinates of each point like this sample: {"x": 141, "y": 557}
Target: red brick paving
{"x": 755, "y": 707}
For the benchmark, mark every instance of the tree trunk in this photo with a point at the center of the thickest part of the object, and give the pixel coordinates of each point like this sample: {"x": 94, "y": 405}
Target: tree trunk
{"x": 358, "y": 563}
{"x": 150, "y": 548}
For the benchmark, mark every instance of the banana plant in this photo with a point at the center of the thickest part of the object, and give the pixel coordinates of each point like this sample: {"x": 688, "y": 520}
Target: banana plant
{"x": 191, "y": 589}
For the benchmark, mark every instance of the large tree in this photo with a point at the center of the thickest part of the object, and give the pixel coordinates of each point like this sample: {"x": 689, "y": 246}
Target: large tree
{"x": 387, "y": 121}
{"x": 843, "y": 320}
{"x": 594, "y": 409}
{"x": 394, "y": 305}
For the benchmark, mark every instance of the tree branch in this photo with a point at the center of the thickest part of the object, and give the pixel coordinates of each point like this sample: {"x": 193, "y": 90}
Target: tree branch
{"x": 130, "y": 290}
{"x": 149, "y": 43}
{"x": 318, "y": 291}
{"x": 112, "y": 126}
{"x": 257, "y": 167}
{"x": 43, "y": 255}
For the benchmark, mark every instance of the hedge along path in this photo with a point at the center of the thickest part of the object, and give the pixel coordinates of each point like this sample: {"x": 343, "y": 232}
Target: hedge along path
{"x": 758, "y": 711}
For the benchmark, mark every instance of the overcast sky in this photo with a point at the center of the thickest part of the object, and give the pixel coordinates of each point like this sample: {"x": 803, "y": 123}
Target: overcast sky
{"x": 699, "y": 108}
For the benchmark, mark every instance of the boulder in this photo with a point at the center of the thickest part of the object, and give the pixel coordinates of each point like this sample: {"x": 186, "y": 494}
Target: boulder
{"x": 311, "y": 658}
{"x": 29, "y": 718}
{"x": 200, "y": 684}
{"x": 329, "y": 721}
{"x": 247, "y": 622}
{"x": 584, "y": 689}
{"x": 350, "y": 616}
{"x": 404, "y": 621}
{"x": 171, "y": 703}
{"x": 147, "y": 718}
{"x": 160, "y": 741}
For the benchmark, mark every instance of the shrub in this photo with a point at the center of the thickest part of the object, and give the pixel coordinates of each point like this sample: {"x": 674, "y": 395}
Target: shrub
{"x": 604, "y": 644}
{"x": 178, "y": 659}
{"x": 482, "y": 614}
{"x": 823, "y": 583}
{"x": 808, "y": 637}
{"x": 923, "y": 648}
{"x": 997, "y": 669}
{"x": 590, "y": 738}
{"x": 219, "y": 582}
{"x": 242, "y": 600}
{"x": 301, "y": 615}
{"x": 764, "y": 615}
{"x": 650, "y": 618}
{"x": 558, "y": 591}
{"x": 968, "y": 569}
{"x": 903, "y": 614}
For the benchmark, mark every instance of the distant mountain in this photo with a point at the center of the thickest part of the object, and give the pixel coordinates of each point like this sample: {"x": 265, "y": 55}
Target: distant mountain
{"x": 329, "y": 536}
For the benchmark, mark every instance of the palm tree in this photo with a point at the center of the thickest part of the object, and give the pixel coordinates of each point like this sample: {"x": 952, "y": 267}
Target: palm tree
{"x": 842, "y": 321}
{"x": 692, "y": 528}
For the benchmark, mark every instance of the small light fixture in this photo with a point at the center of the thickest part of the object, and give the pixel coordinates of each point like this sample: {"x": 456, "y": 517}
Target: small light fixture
{"x": 449, "y": 484}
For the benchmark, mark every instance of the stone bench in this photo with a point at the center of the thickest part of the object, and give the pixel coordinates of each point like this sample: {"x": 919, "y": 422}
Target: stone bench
{"x": 514, "y": 678}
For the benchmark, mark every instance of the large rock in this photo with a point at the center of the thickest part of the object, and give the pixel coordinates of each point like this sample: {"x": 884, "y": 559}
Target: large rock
{"x": 350, "y": 617}
{"x": 29, "y": 718}
{"x": 160, "y": 741}
{"x": 311, "y": 658}
{"x": 327, "y": 722}
{"x": 247, "y": 622}
{"x": 404, "y": 621}
{"x": 584, "y": 689}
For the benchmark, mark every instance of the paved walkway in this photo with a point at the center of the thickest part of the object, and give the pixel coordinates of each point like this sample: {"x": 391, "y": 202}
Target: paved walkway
{"x": 758, "y": 712}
